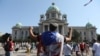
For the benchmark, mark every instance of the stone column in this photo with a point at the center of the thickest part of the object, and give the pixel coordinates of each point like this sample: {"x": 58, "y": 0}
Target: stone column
{"x": 50, "y": 16}
{"x": 56, "y": 15}
{"x": 58, "y": 28}
{"x": 40, "y": 28}
{"x": 63, "y": 29}
{"x": 48, "y": 28}
{"x": 43, "y": 28}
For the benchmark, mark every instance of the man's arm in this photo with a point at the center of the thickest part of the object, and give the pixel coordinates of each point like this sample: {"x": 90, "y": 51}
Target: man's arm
{"x": 32, "y": 35}
{"x": 70, "y": 35}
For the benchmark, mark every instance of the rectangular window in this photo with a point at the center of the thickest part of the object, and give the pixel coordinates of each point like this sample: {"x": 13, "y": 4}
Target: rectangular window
{"x": 47, "y": 15}
{"x": 26, "y": 33}
{"x": 84, "y": 33}
{"x": 53, "y": 14}
{"x": 22, "y": 32}
{"x": 60, "y": 29}
{"x": 46, "y": 27}
{"x": 81, "y": 33}
{"x": 15, "y": 32}
{"x": 91, "y": 32}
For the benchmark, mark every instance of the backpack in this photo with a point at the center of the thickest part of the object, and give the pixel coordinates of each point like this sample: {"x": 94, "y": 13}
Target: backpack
{"x": 82, "y": 46}
{"x": 7, "y": 46}
{"x": 48, "y": 38}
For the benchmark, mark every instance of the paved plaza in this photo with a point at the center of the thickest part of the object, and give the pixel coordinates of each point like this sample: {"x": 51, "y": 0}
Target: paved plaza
{"x": 19, "y": 53}
{"x": 33, "y": 53}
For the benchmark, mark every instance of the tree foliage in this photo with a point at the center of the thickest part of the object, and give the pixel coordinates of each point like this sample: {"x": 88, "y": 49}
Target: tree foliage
{"x": 76, "y": 36}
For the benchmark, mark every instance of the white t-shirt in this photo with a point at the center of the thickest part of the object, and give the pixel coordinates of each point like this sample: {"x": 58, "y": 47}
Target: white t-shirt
{"x": 60, "y": 38}
{"x": 77, "y": 48}
{"x": 96, "y": 48}
{"x": 67, "y": 49}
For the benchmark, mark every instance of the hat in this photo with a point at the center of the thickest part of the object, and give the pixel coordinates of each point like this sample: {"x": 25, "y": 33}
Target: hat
{"x": 54, "y": 24}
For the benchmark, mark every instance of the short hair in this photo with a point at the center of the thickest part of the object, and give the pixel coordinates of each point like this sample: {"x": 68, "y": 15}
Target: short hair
{"x": 94, "y": 40}
{"x": 10, "y": 39}
{"x": 98, "y": 38}
{"x": 53, "y": 26}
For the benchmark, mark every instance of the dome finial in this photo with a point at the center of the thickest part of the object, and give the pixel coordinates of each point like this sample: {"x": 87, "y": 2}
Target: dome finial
{"x": 53, "y": 3}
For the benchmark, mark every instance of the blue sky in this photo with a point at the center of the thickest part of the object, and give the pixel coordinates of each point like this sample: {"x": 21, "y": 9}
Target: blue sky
{"x": 28, "y": 12}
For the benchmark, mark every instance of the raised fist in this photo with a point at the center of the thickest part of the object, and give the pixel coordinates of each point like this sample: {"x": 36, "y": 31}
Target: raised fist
{"x": 30, "y": 28}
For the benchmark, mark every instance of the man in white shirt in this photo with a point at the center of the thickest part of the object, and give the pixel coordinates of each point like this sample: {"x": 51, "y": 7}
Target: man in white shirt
{"x": 54, "y": 44}
{"x": 96, "y": 47}
{"x": 67, "y": 50}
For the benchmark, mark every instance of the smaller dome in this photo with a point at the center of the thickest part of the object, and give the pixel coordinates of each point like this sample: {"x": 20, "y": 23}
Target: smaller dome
{"x": 53, "y": 7}
{"x": 89, "y": 25}
{"x": 19, "y": 25}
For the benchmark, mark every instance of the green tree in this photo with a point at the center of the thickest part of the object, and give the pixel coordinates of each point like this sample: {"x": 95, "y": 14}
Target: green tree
{"x": 32, "y": 40}
{"x": 76, "y": 36}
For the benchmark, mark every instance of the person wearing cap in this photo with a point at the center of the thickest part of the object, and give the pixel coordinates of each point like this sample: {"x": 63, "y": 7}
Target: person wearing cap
{"x": 52, "y": 41}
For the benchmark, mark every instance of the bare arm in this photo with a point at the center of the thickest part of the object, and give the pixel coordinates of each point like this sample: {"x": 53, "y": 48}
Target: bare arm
{"x": 70, "y": 35}
{"x": 31, "y": 33}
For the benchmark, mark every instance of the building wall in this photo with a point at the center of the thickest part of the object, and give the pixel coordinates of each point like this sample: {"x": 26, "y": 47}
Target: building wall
{"x": 86, "y": 34}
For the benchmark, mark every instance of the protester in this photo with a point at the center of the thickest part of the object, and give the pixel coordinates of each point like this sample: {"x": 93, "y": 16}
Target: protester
{"x": 35, "y": 36}
{"x": 9, "y": 46}
{"x": 28, "y": 47}
{"x": 82, "y": 47}
{"x": 67, "y": 49}
{"x": 32, "y": 46}
{"x": 77, "y": 50}
{"x": 96, "y": 47}
{"x": 52, "y": 41}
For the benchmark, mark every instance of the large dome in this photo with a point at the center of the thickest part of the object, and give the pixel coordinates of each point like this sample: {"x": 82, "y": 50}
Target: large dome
{"x": 53, "y": 7}
{"x": 18, "y": 25}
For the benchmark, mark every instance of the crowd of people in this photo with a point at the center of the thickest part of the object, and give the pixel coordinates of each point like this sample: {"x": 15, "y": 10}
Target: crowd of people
{"x": 52, "y": 43}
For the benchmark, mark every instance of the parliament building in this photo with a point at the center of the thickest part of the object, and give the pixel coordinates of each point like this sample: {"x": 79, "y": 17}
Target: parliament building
{"x": 54, "y": 15}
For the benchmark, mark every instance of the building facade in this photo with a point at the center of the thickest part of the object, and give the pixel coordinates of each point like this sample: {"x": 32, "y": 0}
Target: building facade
{"x": 1, "y": 34}
{"x": 54, "y": 15}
